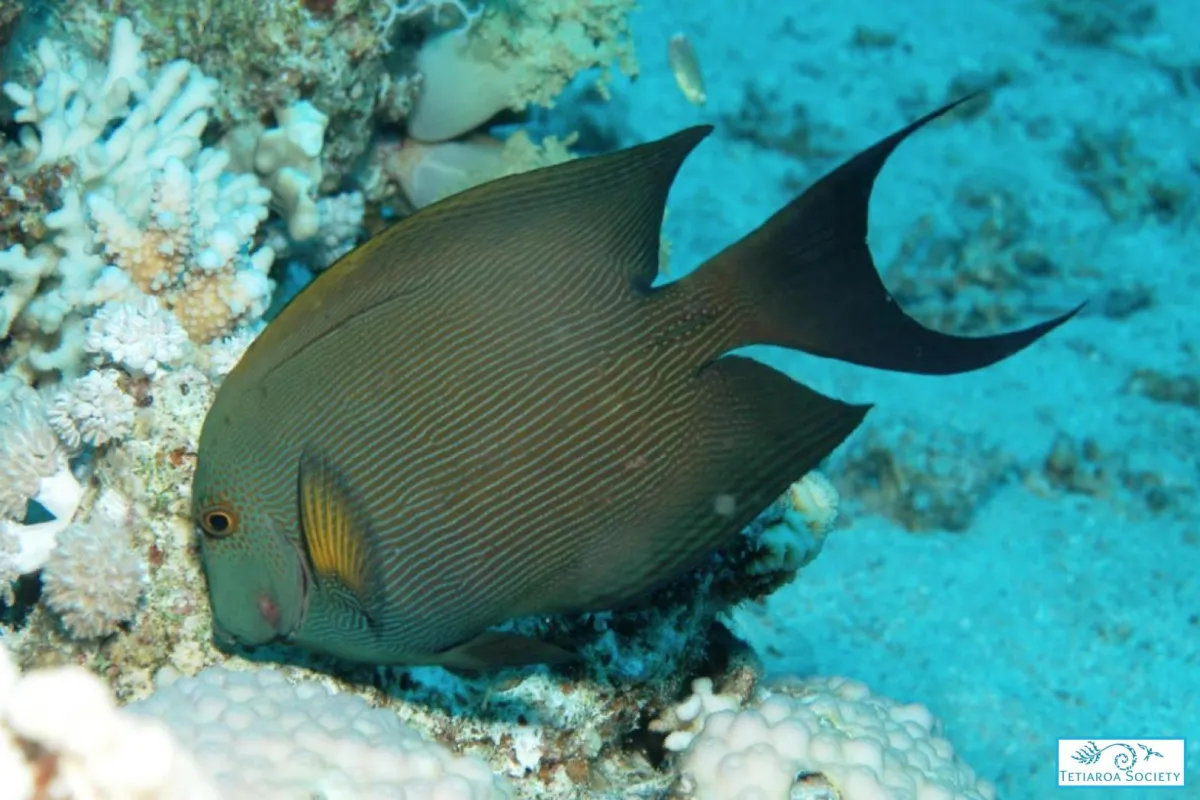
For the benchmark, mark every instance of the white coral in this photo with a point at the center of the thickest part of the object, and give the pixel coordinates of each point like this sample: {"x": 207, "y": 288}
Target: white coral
{"x": 92, "y": 410}
{"x": 224, "y": 354}
{"x": 340, "y": 220}
{"x": 61, "y": 735}
{"x": 263, "y": 735}
{"x": 32, "y": 466}
{"x": 681, "y": 723}
{"x": 145, "y": 207}
{"x": 809, "y": 511}
{"x": 29, "y": 451}
{"x": 138, "y": 335}
{"x": 289, "y": 159}
{"x": 865, "y": 746}
{"x": 94, "y": 579}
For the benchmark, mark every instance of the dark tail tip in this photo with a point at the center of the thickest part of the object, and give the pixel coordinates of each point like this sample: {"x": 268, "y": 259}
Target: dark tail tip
{"x": 813, "y": 285}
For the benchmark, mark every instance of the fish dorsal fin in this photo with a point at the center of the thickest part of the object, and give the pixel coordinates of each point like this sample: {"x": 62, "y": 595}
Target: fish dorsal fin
{"x": 335, "y": 535}
{"x": 580, "y": 221}
{"x": 604, "y": 210}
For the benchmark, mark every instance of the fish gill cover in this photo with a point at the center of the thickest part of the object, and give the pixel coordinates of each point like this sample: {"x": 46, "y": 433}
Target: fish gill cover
{"x": 1008, "y": 552}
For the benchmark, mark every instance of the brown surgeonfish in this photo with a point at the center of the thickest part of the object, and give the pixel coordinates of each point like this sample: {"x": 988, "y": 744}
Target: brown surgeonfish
{"x": 487, "y": 411}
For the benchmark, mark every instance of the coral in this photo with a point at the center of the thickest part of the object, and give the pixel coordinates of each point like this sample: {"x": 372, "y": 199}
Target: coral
{"x": 551, "y": 41}
{"x": 681, "y": 723}
{"x": 517, "y": 54}
{"x": 339, "y": 225}
{"x": 223, "y": 355}
{"x": 808, "y": 512}
{"x": 1098, "y": 22}
{"x": 797, "y": 132}
{"x": 92, "y": 410}
{"x": 426, "y": 173}
{"x": 1083, "y": 467}
{"x": 260, "y": 733}
{"x": 30, "y": 451}
{"x": 461, "y": 12}
{"x": 268, "y": 56}
{"x": 289, "y": 159}
{"x": 862, "y": 745}
{"x": 1183, "y": 390}
{"x": 140, "y": 336}
{"x": 93, "y": 580}
{"x": 61, "y": 736}
{"x": 33, "y": 467}
{"x": 144, "y": 208}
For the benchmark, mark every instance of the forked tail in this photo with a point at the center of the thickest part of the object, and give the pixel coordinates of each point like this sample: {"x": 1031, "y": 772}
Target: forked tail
{"x": 806, "y": 280}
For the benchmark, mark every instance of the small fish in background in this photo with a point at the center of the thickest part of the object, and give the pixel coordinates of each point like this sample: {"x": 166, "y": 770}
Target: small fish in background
{"x": 686, "y": 68}
{"x": 489, "y": 411}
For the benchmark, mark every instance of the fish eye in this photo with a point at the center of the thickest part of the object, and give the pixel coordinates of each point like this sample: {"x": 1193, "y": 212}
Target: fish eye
{"x": 219, "y": 522}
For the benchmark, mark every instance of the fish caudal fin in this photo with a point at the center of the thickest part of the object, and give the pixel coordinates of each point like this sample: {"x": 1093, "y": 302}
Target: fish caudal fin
{"x": 806, "y": 280}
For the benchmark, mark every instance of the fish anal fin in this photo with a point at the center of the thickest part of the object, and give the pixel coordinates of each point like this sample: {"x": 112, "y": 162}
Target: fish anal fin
{"x": 754, "y": 432}
{"x": 806, "y": 280}
{"x": 602, "y": 211}
{"x": 754, "y": 413}
{"x": 336, "y": 538}
{"x": 492, "y": 650}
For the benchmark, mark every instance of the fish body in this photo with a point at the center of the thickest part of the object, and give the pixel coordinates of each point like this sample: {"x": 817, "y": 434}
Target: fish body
{"x": 487, "y": 411}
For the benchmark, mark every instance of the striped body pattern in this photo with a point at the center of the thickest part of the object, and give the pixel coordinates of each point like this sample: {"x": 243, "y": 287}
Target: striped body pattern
{"x": 486, "y": 411}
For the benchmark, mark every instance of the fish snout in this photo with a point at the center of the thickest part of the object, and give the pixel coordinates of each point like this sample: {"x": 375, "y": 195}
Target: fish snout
{"x": 270, "y": 615}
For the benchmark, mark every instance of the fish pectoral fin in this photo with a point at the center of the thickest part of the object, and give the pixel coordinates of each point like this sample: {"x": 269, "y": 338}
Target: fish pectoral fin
{"x": 336, "y": 537}
{"x": 340, "y": 596}
{"x": 495, "y": 650}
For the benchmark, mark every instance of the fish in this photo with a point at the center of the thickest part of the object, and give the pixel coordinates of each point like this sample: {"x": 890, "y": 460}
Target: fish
{"x": 685, "y": 66}
{"x": 489, "y": 411}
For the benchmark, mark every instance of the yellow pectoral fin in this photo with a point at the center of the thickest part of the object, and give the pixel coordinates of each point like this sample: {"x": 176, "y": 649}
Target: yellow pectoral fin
{"x": 334, "y": 533}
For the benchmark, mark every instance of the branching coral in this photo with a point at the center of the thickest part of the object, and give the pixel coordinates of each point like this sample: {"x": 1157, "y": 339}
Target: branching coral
{"x": 138, "y": 336}
{"x": 145, "y": 208}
